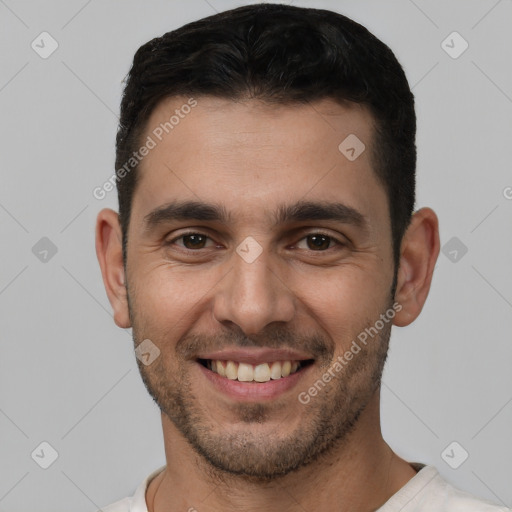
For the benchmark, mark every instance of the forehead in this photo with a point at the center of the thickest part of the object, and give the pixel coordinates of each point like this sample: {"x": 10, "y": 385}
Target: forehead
{"x": 250, "y": 154}
{"x": 217, "y": 123}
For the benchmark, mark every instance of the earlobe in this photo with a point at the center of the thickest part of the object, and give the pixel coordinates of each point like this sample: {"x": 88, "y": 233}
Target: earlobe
{"x": 418, "y": 256}
{"x": 109, "y": 251}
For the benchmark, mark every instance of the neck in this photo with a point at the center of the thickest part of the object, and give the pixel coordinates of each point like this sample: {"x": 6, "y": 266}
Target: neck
{"x": 361, "y": 473}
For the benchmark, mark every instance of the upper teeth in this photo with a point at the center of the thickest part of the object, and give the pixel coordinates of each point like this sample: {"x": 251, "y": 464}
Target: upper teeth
{"x": 247, "y": 372}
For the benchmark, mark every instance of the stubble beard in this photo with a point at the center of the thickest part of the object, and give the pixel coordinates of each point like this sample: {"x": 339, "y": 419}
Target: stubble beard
{"x": 329, "y": 418}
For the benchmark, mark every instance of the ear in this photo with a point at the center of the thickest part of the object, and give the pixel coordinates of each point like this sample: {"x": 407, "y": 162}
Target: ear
{"x": 418, "y": 256}
{"x": 109, "y": 250}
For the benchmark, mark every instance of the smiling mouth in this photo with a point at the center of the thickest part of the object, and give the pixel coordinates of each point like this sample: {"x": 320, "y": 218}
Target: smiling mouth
{"x": 264, "y": 372}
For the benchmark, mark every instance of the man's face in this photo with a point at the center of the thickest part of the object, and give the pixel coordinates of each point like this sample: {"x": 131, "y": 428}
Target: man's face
{"x": 259, "y": 288}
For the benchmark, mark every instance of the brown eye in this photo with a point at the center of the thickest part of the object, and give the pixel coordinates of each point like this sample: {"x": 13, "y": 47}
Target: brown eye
{"x": 194, "y": 241}
{"x": 190, "y": 241}
{"x": 318, "y": 241}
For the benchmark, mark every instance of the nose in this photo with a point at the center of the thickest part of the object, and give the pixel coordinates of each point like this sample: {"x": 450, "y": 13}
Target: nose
{"x": 253, "y": 295}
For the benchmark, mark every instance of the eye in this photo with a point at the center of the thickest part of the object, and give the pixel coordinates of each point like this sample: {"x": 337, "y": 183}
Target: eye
{"x": 191, "y": 240}
{"x": 320, "y": 242}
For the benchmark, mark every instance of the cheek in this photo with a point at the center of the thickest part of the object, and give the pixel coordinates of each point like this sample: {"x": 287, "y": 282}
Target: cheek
{"x": 341, "y": 299}
{"x": 345, "y": 300}
{"x": 167, "y": 295}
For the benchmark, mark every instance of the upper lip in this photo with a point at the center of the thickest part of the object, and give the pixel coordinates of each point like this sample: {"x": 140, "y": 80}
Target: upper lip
{"x": 255, "y": 356}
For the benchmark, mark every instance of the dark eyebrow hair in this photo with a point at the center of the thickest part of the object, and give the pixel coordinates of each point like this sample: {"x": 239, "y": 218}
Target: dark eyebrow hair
{"x": 298, "y": 212}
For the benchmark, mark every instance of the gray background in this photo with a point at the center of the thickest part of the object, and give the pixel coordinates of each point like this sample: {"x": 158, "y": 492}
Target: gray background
{"x": 68, "y": 374}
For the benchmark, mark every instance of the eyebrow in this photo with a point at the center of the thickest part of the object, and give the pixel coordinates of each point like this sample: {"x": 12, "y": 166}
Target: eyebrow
{"x": 285, "y": 213}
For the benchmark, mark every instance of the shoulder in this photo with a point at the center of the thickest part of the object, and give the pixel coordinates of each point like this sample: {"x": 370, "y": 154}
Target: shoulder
{"x": 457, "y": 500}
{"x": 119, "y": 506}
{"x": 428, "y": 491}
{"x": 137, "y": 502}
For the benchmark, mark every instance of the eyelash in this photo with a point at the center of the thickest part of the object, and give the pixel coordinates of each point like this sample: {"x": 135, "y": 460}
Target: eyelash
{"x": 335, "y": 240}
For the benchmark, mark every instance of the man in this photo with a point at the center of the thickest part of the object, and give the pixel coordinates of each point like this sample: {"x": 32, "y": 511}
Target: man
{"x": 265, "y": 244}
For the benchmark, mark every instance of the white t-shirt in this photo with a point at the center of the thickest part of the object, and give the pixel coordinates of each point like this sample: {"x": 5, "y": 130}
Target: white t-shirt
{"x": 425, "y": 492}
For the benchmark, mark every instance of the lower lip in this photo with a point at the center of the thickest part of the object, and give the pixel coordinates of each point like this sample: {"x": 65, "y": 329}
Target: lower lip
{"x": 254, "y": 391}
